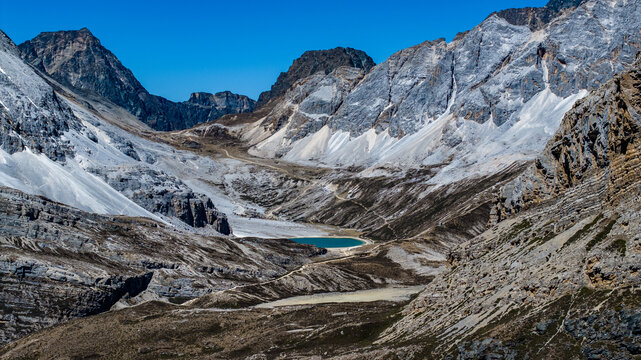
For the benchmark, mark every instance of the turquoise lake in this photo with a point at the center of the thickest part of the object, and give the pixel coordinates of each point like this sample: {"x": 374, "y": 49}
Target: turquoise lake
{"x": 329, "y": 242}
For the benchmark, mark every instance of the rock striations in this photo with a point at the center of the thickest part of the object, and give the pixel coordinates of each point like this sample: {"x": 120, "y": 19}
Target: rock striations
{"x": 59, "y": 263}
{"x": 559, "y": 272}
{"x": 597, "y": 141}
{"x": 78, "y": 59}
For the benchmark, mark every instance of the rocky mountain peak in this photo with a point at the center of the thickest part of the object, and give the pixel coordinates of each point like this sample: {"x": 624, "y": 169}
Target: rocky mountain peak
{"x": 223, "y": 100}
{"x": 536, "y": 18}
{"x": 558, "y": 5}
{"x": 5, "y": 42}
{"x": 314, "y": 61}
{"x": 77, "y": 59}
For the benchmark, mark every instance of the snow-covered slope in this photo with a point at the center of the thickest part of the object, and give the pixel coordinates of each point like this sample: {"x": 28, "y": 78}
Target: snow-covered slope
{"x": 492, "y": 96}
{"x": 50, "y": 147}
{"x": 34, "y": 155}
{"x": 69, "y": 184}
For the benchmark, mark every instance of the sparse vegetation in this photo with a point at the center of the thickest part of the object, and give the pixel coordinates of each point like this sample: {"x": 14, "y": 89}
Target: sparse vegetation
{"x": 579, "y": 234}
{"x": 516, "y": 230}
{"x": 618, "y": 245}
{"x": 601, "y": 235}
{"x": 542, "y": 240}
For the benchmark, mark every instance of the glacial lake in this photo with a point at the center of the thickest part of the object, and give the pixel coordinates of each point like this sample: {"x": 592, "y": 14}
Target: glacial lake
{"x": 326, "y": 242}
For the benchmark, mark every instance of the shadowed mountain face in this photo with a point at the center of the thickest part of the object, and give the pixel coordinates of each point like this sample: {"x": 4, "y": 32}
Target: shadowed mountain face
{"x": 312, "y": 62}
{"x": 558, "y": 5}
{"x": 77, "y": 59}
{"x": 536, "y": 18}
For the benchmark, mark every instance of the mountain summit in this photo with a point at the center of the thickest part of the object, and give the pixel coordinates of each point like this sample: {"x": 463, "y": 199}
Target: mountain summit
{"x": 312, "y": 62}
{"x": 78, "y": 59}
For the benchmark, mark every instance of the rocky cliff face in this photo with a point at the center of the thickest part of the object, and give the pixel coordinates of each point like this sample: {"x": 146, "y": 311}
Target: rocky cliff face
{"x": 561, "y": 273}
{"x": 30, "y": 110}
{"x": 78, "y": 59}
{"x": 160, "y": 193}
{"x": 597, "y": 141}
{"x": 439, "y": 103}
{"x": 312, "y": 62}
{"x": 537, "y": 18}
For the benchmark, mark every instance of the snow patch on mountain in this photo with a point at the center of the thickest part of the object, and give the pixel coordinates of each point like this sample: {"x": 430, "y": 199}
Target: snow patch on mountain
{"x": 464, "y": 147}
{"x": 68, "y": 184}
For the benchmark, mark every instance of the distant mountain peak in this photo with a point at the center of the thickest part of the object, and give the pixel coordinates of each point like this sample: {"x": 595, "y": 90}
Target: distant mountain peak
{"x": 536, "y": 18}
{"x": 223, "y": 100}
{"x": 76, "y": 58}
{"x": 313, "y": 61}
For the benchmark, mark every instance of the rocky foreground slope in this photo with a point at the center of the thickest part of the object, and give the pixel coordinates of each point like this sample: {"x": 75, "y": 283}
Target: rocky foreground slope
{"x": 59, "y": 263}
{"x": 78, "y": 59}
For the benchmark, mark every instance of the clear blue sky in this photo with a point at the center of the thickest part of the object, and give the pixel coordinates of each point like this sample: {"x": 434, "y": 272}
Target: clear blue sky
{"x": 177, "y": 47}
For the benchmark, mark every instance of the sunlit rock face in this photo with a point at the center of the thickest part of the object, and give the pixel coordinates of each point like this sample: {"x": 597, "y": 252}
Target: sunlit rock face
{"x": 48, "y": 149}
{"x": 492, "y": 96}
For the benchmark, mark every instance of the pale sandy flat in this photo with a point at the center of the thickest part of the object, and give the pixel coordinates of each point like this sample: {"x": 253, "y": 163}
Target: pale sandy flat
{"x": 386, "y": 294}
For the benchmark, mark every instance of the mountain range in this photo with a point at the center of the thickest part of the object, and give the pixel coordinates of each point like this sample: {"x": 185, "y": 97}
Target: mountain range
{"x": 494, "y": 181}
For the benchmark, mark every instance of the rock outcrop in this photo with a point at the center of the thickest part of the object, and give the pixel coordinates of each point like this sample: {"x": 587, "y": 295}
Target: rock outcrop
{"x": 537, "y": 18}
{"x": 163, "y": 194}
{"x": 30, "y": 110}
{"x": 312, "y": 62}
{"x": 78, "y": 59}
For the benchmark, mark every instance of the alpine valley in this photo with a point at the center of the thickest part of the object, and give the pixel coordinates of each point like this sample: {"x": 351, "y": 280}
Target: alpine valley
{"x": 494, "y": 183}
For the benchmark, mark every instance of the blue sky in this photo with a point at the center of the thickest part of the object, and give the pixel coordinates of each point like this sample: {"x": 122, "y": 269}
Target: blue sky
{"x": 178, "y": 47}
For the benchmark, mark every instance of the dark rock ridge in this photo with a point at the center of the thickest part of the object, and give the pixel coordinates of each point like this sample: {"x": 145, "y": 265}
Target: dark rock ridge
{"x": 163, "y": 194}
{"x": 536, "y": 18}
{"x": 315, "y": 61}
{"x": 558, "y": 5}
{"x": 221, "y": 100}
{"x": 78, "y": 59}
